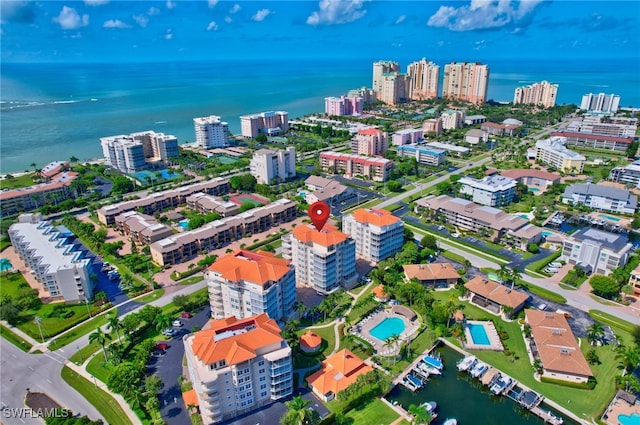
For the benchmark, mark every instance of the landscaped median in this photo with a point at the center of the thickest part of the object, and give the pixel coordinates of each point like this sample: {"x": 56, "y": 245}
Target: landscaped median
{"x": 612, "y": 320}
{"x": 14, "y": 339}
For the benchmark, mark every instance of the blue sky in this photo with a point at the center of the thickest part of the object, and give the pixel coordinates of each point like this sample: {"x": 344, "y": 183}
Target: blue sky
{"x": 107, "y": 31}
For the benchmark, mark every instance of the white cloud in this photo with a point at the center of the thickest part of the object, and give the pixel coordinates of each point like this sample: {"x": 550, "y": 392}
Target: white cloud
{"x": 141, "y": 20}
{"x": 212, "y": 26}
{"x": 228, "y": 19}
{"x": 115, "y": 23}
{"x": 168, "y": 35}
{"x": 235, "y": 9}
{"x": 95, "y": 2}
{"x": 401, "y": 19}
{"x": 171, "y": 4}
{"x": 69, "y": 19}
{"x": 337, "y": 12}
{"x": 482, "y": 14}
{"x": 212, "y": 3}
{"x": 261, "y": 14}
{"x": 153, "y": 11}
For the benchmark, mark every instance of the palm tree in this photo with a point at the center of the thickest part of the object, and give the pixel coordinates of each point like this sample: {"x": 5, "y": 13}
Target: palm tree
{"x": 114, "y": 324}
{"x": 595, "y": 333}
{"x": 73, "y": 159}
{"x": 34, "y": 165}
{"x": 420, "y": 414}
{"x": 515, "y": 275}
{"x": 101, "y": 338}
{"x": 629, "y": 357}
{"x": 504, "y": 273}
{"x": 163, "y": 322}
{"x": 299, "y": 413}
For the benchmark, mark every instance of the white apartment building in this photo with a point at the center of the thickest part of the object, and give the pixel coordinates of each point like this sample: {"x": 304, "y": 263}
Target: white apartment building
{"x": 51, "y": 257}
{"x": 245, "y": 283}
{"x": 270, "y": 123}
{"x": 137, "y": 151}
{"x": 424, "y": 155}
{"x": 553, "y": 151}
{"x": 381, "y": 68}
{"x": 269, "y": 164}
{"x": 466, "y": 81}
{"x": 324, "y": 260}
{"x": 158, "y": 147}
{"x": 598, "y": 124}
{"x": 452, "y": 119}
{"x": 238, "y": 365}
{"x": 211, "y": 132}
{"x": 629, "y": 174}
{"x": 370, "y": 142}
{"x": 596, "y": 251}
{"x": 608, "y": 103}
{"x": 494, "y": 191}
{"x": 378, "y": 233}
{"x": 424, "y": 80}
{"x": 601, "y": 197}
{"x": 543, "y": 93}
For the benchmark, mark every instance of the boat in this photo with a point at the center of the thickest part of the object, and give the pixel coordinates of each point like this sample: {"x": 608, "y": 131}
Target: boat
{"x": 433, "y": 370}
{"x": 479, "y": 369}
{"x": 434, "y": 361}
{"x": 499, "y": 384}
{"x": 451, "y": 421}
{"x": 466, "y": 363}
{"x": 414, "y": 381}
{"x": 529, "y": 399}
{"x": 431, "y": 406}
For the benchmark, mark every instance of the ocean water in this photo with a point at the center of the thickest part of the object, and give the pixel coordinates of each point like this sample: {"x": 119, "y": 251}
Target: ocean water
{"x": 55, "y": 111}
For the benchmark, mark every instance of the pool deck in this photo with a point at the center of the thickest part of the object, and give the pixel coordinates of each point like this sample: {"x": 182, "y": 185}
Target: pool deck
{"x": 362, "y": 329}
{"x": 619, "y": 407}
{"x": 494, "y": 339}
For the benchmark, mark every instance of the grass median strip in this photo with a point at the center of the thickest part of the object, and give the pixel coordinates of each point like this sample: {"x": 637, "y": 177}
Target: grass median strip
{"x": 14, "y": 339}
{"x": 612, "y": 320}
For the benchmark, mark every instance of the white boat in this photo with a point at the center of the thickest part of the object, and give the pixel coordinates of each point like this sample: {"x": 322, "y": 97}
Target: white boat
{"x": 433, "y": 370}
{"x": 451, "y": 421}
{"x": 431, "y": 406}
{"x": 466, "y": 363}
{"x": 479, "y": 369}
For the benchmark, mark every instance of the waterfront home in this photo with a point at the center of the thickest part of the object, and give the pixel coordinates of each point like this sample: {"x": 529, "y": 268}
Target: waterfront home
{"x": 337, "y": 373}
{"x": 553, "y": 343}
{"x": 437, "y": 275}
{"x": 494, "y": 296}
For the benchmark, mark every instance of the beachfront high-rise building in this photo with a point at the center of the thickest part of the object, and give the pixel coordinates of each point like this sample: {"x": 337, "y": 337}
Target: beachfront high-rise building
{"x": 395, "y": 88}
{"x": 53, "y": 258}
{"x": 270, "y": 123}
{"x": 543, "y": 93}
{"x": 236, "y": 366}
{"x": 269, "y": 164}
{"x": 159, "y": 148}
{"x": 424, "y": 80}
{"x": 381, "y": 68}
{"x": 324, "y": 260}
{"x": 343, "y": 105}
{"x": 376, "y": 169}
{"x": 245, "y": 283}
{"x": 378, "y": 233}
{"x": 211, "y": 132}
{"x": 367, "y": 95}
{"x": 137, "y": 151}
{"x": 606, "y": 103}
{"x": 466, "y": 81}
{"x": 370, "y": 141}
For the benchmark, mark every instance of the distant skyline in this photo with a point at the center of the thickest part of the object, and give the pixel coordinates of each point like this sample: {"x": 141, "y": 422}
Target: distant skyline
{"x": 443, "y": 31}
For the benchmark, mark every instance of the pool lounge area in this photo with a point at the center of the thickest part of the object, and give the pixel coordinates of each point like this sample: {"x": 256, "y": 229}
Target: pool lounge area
{"x": 624, "y": 409}
{"x": 481, "y": 336}
{"x": 385, "y": 323}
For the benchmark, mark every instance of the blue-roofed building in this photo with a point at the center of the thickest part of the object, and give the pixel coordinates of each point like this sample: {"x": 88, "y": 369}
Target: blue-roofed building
{"x": 596, "y": 251}
{"x": 423, "y": 154}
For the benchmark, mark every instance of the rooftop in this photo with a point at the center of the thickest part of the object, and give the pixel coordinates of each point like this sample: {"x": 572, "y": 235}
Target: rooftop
{"x": 326, "y": 237}
{"x": 518, "y": 173}
{"x": 491, "y": 183}
{"x": 375, "y": 217}
{"x": 256, "y": 267}
{"x": 613, "y": 241}
{"x": 432, "y": 271}
{"x": 338, "y": 372}
{"x": 496, "y": 292}
{"x": 557, "y": 144}
{"x": 591, "y": 189}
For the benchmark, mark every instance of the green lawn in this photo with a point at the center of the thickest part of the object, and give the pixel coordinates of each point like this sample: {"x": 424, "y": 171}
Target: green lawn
{"x": 373, "y": 412}
{"x": 11, "y": 283}
{"x": 98, "y": 367}
{"x": 612, "y": 320}
{"x": 14, "y": 339}
{"x": 151, "y": 296}
{"x": 328, "y": 335}
{"x": 52, "y": 326}
{"x": 191, "y": 280}
{"x": 572, "y": 279}
{"x": 392, "y": 207}
{"x": 16, "y": 182}
{"x": 85, "y": 328}
{"x": 550, "y": 295}
{"x": 106, "y": 405}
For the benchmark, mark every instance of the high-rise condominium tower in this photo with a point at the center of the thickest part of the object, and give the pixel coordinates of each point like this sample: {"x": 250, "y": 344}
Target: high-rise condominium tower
{"x": 379, "y": 69}
{"x": 211, "y": 132}
{"x": 543, "y": 93}
{"x": 424, "y": 79}
{"x": 466, "y": 81}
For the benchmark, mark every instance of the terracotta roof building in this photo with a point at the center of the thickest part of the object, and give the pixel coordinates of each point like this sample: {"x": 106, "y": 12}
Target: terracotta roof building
{"x": 245, "y": 283}
{"x": 310, "y": 342}
{"x": 439, "y": 275}
{"x": 553, "y": 343}
{"x": 338, "y": 372}
{"x": 57, "y": 188}
{"x": 324, "y": 260}
{"x": 380, "y": 294}
{"x": 378, "y": 233}
{"x": 494, "y": 296}
{"x": 238, "y": 365}
{"x": 533, "y": 178}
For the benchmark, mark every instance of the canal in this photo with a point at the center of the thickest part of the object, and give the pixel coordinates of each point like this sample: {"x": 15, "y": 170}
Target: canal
{"x": 462, "y": 397}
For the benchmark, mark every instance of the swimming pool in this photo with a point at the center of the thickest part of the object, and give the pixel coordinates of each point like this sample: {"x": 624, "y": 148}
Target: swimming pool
{"x": 388, "y": 327}
{"x": 478, "y": 334}
{"x": 525, "y": 216}
{"x": 545, "y": 234}
{"x": 184, "y": 224}
{"x": 494, "y": 277}
{"x": 608, "y": 217}
{"x": 634, "y": 419}
{"x": 534, "y": 189}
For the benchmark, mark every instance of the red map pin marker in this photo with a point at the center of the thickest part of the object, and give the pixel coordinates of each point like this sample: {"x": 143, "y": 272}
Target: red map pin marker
{"x": 319, "y": 214}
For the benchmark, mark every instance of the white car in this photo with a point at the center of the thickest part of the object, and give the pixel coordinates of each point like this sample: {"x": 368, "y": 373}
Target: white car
{"x": 455, "y": 235}
{"x": 551, "y": 270}
{"x": 169, "y": 332}
{"x": 176, "y": 323}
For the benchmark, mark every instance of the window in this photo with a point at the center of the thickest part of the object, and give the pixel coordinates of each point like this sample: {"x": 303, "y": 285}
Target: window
{"x": 262, "y": 379}
{"x": 261, "y": 370}
{"x": 263, "y": 394}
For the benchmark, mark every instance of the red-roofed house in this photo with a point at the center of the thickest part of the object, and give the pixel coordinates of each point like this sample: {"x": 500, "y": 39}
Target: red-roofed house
{"x": 438, "y": 275}
{"x": 337, "y": 373}
{"x": 236, "y": 366}
{"x": 378, "y": 233}
{"x": 310, "y": 342}
{"x": 380, "y": 294}
{"x": 370, "y": 141}
{"x": 245, "y": 283}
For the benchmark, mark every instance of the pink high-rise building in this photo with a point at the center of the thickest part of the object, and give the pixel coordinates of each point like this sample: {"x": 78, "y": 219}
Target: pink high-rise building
{"x": 370, "y": 141}
{"x": 433, "y": 125}
{"x": 271, "y": 123}
{"x": 543, "y": 93}
{"x": 343, "y": 105}
{"x": 466, "y": 81}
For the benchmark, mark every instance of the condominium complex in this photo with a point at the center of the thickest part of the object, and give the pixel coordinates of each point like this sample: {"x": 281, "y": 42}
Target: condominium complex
{"x": 502, "y": 130}
{"x": 370, "y": 142}
{"x": 56, "y": 189}
{"x": 325, "y": 260}
{"x": 475, "y": 136}
{"x": 206, "y": 204}
{"x": 367, "y": 94}
{"x": 408, "y": 136}
{"x": 606, "y": 126}
{"x": 216, "y": 234}
{"x": 425, "y": 155}
{"x": 533, "y": 178}
{"x": 138, "y": 151}
{"x": 269, "y": 164}
{"x": 600, "y": 197}
{"x": 629, "y": 174}
{"x": 466, "y": 81}
{"x": 494, "y": 191}
{"x": 543, "y": 93}
{"x": 238, "y": 365}
{"x": 376, "y": 169}
{"x": 434, "y": 275}
{"x": 343, "y": 105}
{"x": 424, "y": 79}
{"x": 245, "y": 283}
{"x": 325, "y": 190}
{"x": 270, "y": 123}
{"x": 211, "y": 132}
{"x": 161, "y": 201}
{"x": 433, "y": 125}
{"x": 141, "y": 228}
{"x": 553, "y": 152}
{"x": 53, "y": 258}
{"x": 395, "y": 88}
{"x": 378, "y": 233}
{"x": 634, "y": 280}
{"x": 596, "y": 251}
{"x": 452, "y": 119}
{"x": 595, "y": 141}
{"x": 608, "y": 103}
{"x": 381, "y": 68}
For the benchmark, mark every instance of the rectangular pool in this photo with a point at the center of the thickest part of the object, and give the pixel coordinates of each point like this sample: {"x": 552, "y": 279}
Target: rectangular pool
{"x": 608, "y": 217}
{"x": 478, "y": 334}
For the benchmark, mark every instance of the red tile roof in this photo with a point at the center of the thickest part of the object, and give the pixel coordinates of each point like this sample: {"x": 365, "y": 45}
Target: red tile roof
{"x": 496, "y": 292}
{"x": 326, "y": 237}
{"x": 338, "y": 372}
{"x": 376, "y": 217}
{"x": 518, "y": 173}
{"x": 369, "y": 132}
{"x": 256, "y": 267}
{"x": 310, "y": 339}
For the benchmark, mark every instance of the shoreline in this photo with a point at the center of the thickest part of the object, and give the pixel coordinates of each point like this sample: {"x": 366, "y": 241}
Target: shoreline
{"x": 3, "y": 176}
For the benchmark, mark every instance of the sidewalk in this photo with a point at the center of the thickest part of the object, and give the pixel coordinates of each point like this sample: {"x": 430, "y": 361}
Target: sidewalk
{"x": 36, "y": 344}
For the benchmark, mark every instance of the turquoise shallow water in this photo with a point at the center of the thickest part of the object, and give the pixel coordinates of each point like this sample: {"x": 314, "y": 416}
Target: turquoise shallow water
{"x": 388, "y": 327}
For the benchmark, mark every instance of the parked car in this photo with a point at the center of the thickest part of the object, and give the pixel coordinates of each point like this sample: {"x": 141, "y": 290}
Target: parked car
{"x": 161, "y": 345}
{"x": 185, "y": 315}
{"x": 169, "y": 332}
{"x": 177, "y": 323}
{"x": 542, "y": 307}
{"x": 555, "y": 265}
{"x": 551, "y": 270}
{"x": 455, "y": 235}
